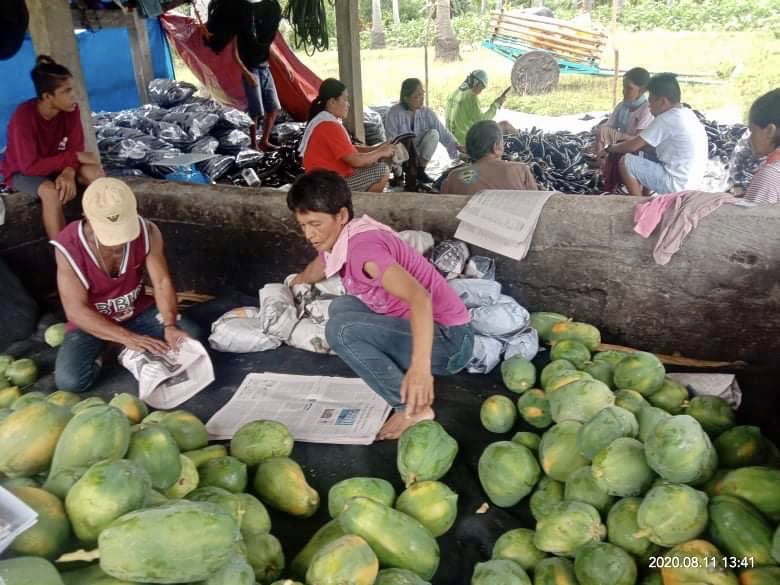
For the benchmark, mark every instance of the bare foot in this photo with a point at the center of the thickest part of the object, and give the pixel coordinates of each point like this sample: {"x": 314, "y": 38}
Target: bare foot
{"x": 399, "y": 422}
{"x": 267, "y": 146}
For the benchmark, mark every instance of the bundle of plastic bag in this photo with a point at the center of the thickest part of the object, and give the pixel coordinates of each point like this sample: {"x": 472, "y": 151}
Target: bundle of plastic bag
{"x": 240, "y": 331}
{"x": 206, "y": 145}
{"x": 232, "y": 141}
{"x": 278, "y": 314}
{"x": 476, "y": 292}
{"x": 318, "y": 310}
{"x": 504, "y": 318}
{"x": 197, "y": 124}
{"x": 217, "y": 167}
{"x": 123, "y": 152}
{"x": 450, "y": 257}
{"x": 480, "y": 267}
{"x": 485, "y": 356}
{"x": 310, "y": 336}
{"x": 417, "y": 239}
{"x": 233, "y": 118}
{"x": 168, "y": 93}
{"x": 331, "y": 286}
{"x": 525, "y": 344}
{"x": 248, "y": 158}
{"x": 174, "y": 134}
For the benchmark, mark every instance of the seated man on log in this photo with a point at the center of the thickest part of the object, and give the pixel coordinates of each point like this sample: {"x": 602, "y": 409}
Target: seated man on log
{"x": 45, "y": 154}
{"x": 400, "y": 323}
{"x": 485, "y": 145}
{"x": 101, "y": 264}
{"x": 678, "y": 137}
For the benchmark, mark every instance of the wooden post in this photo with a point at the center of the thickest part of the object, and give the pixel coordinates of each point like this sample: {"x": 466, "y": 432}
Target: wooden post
{"x": 142, "y": 55}
{"x": 51, "y": 28}
{"x": 348, "y": 41}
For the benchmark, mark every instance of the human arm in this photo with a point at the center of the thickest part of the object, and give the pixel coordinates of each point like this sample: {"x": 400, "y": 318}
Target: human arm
{"x": 83, "y": 315}
{"x": 366, "y": 159}
{"x": 417, "y": 385}
{"x": 25, "y": 150}
{"x": 164, "y": 291}
{"x": 314, "y": 272}
{"x": 627, "y": 146}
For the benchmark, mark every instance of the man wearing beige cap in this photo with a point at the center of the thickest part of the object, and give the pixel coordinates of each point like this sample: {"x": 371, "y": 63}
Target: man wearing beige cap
{"x": 101, "y": 263}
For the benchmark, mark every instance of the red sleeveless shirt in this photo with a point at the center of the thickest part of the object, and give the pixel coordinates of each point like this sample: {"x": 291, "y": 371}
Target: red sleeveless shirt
{"x": 119, "y": 297}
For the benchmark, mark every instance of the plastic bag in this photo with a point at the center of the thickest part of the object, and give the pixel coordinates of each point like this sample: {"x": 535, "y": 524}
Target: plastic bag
{"x": 287, "y": 132}
{"x": 240, "y": 331}
{"x": 168, "y": 93}
{"x": 525, "y": 344}
{"x": 174, "y": 134}
{"x": 375, "y": 129}
{"x": 206, "y": 145}
{"x": 419, "y": 240}
{"x": 248, "y": 158}
{"x": 217, "y": 167}
{"x": 743, "y": 164}
{"x": 196, "y": 123}
{"x": 278, "y": 314}
{"x": 450, "y": 257}
{"x": 476, "y": 292}
{"x": 318, "y": 310}
{"x": 331, "y": 286}
{"x": 310, "y": 336}
{"x": 233, "y": 118}
{"x": 480, "y": 267}
{"x": 500, "y": 320}
{"x": 123, "y": 152}
{"x": 233, "y": 141}
{"x": 485, "y": 356}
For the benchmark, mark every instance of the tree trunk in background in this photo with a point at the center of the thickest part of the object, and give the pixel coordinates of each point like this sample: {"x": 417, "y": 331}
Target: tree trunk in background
{"x": 483, "y": 7}
{"x": 378, "y": 27}
{"x": 447, "y": 45}
{"x": 396, "y": 12}
{"x": 499, "y": 5}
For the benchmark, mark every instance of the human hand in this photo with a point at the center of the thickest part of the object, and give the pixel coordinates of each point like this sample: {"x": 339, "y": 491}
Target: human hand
{"x": 65, "y": 183}
{"x": 386, "y": 151}
{"x": 417, "y": 390}
{"x": 174, "y": 337}
{"x": 145, "y": 343}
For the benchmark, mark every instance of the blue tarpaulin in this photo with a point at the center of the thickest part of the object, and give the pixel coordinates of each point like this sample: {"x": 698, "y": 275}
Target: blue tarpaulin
{"x": 107, "y": 66}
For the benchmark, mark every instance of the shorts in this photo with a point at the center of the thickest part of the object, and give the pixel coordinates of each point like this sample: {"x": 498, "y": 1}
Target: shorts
{"x": 651, "y": 175}
{"x": 364, "y": 177}
{"x": 29, "y": 184}
{"x": 261, "y": 98}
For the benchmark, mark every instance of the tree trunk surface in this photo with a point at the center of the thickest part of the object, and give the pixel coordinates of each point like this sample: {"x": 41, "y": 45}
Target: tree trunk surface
{"x": 447, "y": 44}
{"x": 377, "y": 25}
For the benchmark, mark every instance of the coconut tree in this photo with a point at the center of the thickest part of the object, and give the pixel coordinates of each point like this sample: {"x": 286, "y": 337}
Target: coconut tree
{"x": 378, "y": 26}
{"x": 447, "y": 44}
{"x": 396, "y": 12}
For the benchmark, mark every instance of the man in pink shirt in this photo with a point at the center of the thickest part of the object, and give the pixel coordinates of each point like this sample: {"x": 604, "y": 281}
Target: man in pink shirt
{"x": 45, "y": 154}
{"x": 400, "y": 323}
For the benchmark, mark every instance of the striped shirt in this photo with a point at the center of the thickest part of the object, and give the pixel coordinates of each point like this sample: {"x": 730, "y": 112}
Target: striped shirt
{"x": 765, "y": 186}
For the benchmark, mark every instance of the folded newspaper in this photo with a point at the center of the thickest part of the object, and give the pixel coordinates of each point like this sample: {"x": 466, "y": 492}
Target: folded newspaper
{"x": 15, "y": 518}
{"x": 502, "y": 221}
{"x": 165, "y": 381}
{"x": 316, "y": 409}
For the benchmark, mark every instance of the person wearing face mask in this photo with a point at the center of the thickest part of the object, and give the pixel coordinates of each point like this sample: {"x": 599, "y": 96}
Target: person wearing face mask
{"x": 764, "y": 121}
{"x": 410, "y": 115}
{"x": 485, "y": 145}
{"x": 678, "y": 137}
{"x": 631, "y": 116}
{"x": 327, "y": 145}
{"x": 463, "y": 109}
{"x": 45, "y": 154}
{"x": 400, "y": 323}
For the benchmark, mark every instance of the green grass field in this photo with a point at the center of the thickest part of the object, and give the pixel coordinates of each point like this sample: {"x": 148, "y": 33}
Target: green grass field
{"x": 754, "y": 57}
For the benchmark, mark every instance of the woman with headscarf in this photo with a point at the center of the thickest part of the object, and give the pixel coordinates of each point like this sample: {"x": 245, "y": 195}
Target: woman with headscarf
{"x": 327, "y": 145}
{"x": 631, "y": 116}
{"x": 410, "y": 116}
{"x": 463, "y": 109}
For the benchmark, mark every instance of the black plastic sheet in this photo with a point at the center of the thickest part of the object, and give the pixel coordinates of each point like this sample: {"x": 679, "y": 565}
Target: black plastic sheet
{"x": 168, "y": 93}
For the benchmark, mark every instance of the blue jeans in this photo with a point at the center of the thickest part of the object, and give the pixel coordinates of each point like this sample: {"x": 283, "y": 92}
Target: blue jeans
{"x": 261, "y": 98}
{"x": 378, "y": 348}
{"x": 76, "y": 369}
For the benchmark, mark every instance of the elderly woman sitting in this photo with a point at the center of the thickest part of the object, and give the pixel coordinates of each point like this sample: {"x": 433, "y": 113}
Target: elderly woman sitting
{"x": 485, "y": 145}
{"x": 410, "y": 116}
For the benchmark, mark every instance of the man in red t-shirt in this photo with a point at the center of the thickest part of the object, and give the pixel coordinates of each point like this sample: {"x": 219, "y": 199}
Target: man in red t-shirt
{"x": 45, "y": 154}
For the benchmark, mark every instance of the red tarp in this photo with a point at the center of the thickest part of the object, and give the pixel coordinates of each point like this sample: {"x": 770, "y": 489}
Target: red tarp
{"x": 296, "y": 84}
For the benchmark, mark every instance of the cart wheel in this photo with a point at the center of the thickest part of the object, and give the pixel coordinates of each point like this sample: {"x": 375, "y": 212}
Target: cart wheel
{"x": 534, "y": 73}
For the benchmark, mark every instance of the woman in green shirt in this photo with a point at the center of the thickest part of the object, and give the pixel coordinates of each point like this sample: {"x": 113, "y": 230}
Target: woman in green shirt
{"x": 463, "y": 109}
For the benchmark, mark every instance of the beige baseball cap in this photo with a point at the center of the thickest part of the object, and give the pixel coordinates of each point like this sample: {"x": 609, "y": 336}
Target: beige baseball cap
{"x": 110, "y": 206}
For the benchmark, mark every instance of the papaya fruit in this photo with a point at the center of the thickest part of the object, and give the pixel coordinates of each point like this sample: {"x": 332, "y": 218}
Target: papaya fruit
{"x": 280, "y": 483}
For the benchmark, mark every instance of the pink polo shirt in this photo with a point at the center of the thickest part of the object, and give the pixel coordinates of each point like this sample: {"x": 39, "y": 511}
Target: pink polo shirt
{"x": 386, "y": 249}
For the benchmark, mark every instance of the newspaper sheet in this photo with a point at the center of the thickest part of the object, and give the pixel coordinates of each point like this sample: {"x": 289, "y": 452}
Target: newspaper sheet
{"x": 15, "y": 518}
{"x": 502, "y": 221}
{"x": 316, "y": 409}
{"x": 722, "y": 385}
{"x": 165, "y": 381}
